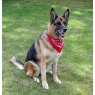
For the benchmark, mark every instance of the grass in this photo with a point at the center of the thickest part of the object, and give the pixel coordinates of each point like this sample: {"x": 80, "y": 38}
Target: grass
{"x": 23, "y": 21}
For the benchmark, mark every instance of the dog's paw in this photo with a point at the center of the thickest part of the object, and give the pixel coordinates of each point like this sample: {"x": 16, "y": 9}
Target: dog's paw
{"x": 45, "y": 85}
{"x": 57, "y": 81}
{"x": 36, "y": 80}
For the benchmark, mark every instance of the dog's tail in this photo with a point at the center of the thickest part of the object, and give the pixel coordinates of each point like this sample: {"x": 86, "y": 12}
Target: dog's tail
{"x": 17, "y": 63}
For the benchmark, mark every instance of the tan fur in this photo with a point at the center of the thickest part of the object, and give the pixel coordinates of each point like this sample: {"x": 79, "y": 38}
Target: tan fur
{"x": 29, "y": 68}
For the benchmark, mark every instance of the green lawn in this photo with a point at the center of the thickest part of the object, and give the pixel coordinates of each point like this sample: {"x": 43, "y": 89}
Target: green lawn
{"x": 23, "y": 21}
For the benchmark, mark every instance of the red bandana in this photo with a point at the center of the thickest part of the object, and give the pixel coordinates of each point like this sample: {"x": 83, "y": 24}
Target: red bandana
{"x": 56, "y": 43}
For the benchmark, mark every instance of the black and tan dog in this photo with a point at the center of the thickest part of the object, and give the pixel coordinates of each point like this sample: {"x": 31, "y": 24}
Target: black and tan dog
{"x": 43, "y": 55}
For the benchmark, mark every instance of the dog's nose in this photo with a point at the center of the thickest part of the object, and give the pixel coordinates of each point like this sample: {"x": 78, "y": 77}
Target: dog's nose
{"x": 64, "y": 30}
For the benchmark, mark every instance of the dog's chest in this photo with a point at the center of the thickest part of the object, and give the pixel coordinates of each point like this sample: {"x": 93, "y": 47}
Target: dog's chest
{"x": 51, "y": 59}
{"x": 50, "y": 51}
{"x": 56, "y": 54}
{"x": 51, "y": 56}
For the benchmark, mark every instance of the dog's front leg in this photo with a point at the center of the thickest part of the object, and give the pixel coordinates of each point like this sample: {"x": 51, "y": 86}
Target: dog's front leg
{"x": 54, "y": 72}
{"x": 43, "y": 73}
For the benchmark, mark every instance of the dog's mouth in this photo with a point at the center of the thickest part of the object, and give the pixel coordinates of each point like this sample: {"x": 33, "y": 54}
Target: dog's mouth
{"x": 60, "y": 32}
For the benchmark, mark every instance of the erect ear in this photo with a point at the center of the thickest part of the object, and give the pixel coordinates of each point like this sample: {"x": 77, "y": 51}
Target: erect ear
{"x": 53, "y": 15}
{"x": 66, "y": 15}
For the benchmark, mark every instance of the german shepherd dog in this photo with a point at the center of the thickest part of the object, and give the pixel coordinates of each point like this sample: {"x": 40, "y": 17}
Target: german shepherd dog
{"x": 44, "y": 53}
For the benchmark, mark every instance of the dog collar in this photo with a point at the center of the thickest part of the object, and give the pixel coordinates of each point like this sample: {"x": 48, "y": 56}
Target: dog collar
{"x": 56, "y": 43}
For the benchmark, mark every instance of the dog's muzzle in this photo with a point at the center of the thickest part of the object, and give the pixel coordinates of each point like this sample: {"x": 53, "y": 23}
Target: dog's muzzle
{"x": 60, "y": 32}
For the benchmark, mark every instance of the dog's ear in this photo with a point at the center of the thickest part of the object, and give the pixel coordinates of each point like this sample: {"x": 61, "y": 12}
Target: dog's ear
{"x": 53, "y": 15}
{"x": 66, "y": 15}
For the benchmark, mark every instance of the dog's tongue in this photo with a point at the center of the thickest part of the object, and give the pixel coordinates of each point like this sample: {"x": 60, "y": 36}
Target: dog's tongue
{"x": 56, "y": 43}
{"x": 61, "y": 33}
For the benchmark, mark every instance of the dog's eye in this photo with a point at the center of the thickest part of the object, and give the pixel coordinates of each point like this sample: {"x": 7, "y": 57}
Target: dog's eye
{"x": 64, "y": 23}
{"x": 65, "y": 30}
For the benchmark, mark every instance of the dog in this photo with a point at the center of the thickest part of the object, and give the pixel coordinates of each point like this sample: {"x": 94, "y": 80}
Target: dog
{"x": 44, "y": 53}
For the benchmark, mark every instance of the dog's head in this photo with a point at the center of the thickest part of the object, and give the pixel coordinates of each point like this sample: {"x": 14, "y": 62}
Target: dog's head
{"x": 59, "y": 23}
